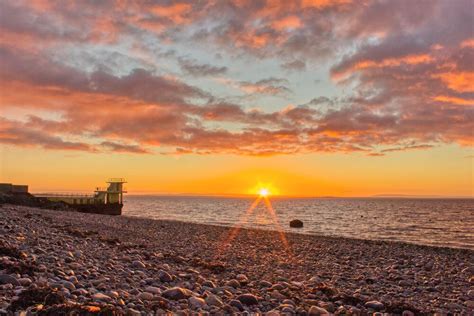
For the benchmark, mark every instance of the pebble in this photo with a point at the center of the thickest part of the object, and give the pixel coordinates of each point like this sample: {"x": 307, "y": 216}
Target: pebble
{"x": 165, "y": 276}
{"x": 196, "y": 302}
{"x": 213, "y": 300}
{"x": 177, "y": 293}
{"x": 248, "y": 299}
{"x": 69, "y": 285}
{"x": 138, "y": 264}
{"x": 209, "y": 284}
{"x": 266, "y": 280}
{"x": 376, "y": 305}
{"x": 25, "y": 281}
{"x": 132, "y": 312}
{"x": 233, "y": 283}
{"x": 242, "y": 278}
{"x": 237, "y": 304}
{"x": 8, "y": 279}
{"x": 277, "y": 295}
{"x": 316, "y": 310}
{"x": 101, "y": 297}
{"x": 145, "y": 296}
{"x": 264, "y": 283}
{"x": 153, "y": 290}
{"x": 470, "y": 293}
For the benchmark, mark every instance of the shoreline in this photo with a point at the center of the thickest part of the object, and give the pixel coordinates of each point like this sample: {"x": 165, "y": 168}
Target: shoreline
{"x": 132, "y": 265}
{"x": 335, "y": 237}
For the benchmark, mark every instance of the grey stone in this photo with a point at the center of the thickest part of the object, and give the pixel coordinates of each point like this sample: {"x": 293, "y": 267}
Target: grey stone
{"x": 145, "y": 296}
{"x": 237, "y": 304}
{"x": 8, "y": 279}
{"x": 177, "y": 293}
{"x": 165, "y": 276}
{"x": 264, "y": 283}
{"x": 101, "y": 297}
{"x": 196, "y": 302}
{"x": 132, "y": 312}
{"x": 233, "y": 283}
{"x": 138, "y": 264}
{"x": 209, "y": 284}
{"x": 153, "y": 289}
{"x": 213, "y": 300}
{"x": 69, "y": 285}
{"x": 25, "y": 281}
{"x": 248, "y": 299}
{"x": 316, "y": 310}
{"x": 376, "y": 305}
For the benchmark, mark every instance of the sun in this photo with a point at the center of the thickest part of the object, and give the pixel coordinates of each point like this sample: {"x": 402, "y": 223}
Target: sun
{"x": 263, "y": 192}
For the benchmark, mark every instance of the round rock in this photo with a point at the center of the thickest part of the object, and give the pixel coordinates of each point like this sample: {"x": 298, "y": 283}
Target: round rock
{"x": 177, "y": 293}
{"x": 213, "y": 300}
{"x": 8, "y": 279}
{"x": 248, "y": 299}
{"x": 315, "y": 311}
{"x": 374, "y": 305}
{"x": 196, "y": 302}
{"x": 101, "y": 297}
{"x": 145, "y": 296}
{"x": 296, "y": 223}
{"x": 165, "y": 276}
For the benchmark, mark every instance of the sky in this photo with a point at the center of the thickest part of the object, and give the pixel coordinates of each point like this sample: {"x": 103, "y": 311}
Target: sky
{"x": 307, "y": 98}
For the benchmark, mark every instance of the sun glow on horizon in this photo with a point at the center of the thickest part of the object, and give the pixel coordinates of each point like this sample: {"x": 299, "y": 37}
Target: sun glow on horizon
{"x": 263, "y": 192}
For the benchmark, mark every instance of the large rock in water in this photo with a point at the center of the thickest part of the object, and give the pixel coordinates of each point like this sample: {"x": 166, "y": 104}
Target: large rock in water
{"x": 296, "y": 223}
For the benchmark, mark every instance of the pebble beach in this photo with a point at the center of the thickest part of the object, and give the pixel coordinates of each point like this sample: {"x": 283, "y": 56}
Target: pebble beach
{"x": 59, "y": 262}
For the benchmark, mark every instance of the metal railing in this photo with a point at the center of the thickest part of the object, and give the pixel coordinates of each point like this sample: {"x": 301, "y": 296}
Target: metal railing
{"x": 104, "y": 189}
{"x": 68, "y": 195}
{"x": 112, "y": 180}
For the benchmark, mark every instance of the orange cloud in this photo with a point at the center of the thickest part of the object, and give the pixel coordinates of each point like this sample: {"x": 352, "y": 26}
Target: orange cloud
{"x": 454, "y": 100}
{"x": 289, "y": 22}
{"x": 407, "y": 91}
{"x": 387, "y": 62}
{"x": 468, "y": 43}
{"x": 175, "y": 12}
{"x": 462, "y": 81}
{"x": 322, "y": 3}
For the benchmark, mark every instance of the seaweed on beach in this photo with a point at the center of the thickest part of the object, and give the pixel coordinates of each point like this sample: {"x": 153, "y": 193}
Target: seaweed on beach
{"x": 10, "y": 251}
{"x": 80, "y": 233}
{"x": 214, "y": 267}
{"x": 36, "y": 296}
{"x": 110, "y": 241}
{"x": 79, "y": 310}
{"x": 19, "y": 267}
{"x": 398, "y": 307}
{"x": 348, "y": 299}
{"x": 326, "y": 289}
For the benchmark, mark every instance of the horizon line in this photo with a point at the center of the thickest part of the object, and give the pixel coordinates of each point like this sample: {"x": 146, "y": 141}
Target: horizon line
{"x": 247, "y": 195}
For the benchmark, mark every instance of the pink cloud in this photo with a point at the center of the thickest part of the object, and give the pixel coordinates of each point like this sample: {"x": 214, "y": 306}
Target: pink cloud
{"x": 409, "y": 75}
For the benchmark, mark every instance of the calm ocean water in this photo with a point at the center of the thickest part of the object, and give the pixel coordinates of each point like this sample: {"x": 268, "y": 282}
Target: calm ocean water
{"x": 440, "y": 222}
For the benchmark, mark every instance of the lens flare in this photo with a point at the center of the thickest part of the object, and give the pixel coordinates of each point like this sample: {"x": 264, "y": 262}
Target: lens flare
{"x": 263, "y": 195}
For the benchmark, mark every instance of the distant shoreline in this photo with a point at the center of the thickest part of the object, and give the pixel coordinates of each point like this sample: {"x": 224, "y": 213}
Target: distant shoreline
{"x": 250, "y": 196}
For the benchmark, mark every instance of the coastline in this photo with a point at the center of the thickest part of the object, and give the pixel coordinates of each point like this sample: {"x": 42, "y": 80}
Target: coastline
{"x": 316, "y": 235}
{"x": 134, "y": 262}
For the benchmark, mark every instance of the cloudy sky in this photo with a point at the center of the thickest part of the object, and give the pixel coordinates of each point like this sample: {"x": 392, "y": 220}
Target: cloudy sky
{"x": 312, "y": 97}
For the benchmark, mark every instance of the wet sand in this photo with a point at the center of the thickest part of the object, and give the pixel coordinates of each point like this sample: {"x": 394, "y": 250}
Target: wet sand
{"x": 53, "y": 261}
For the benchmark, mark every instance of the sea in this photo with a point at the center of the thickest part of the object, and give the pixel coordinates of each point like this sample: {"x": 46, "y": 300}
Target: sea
{"x": 435, "y": 222}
